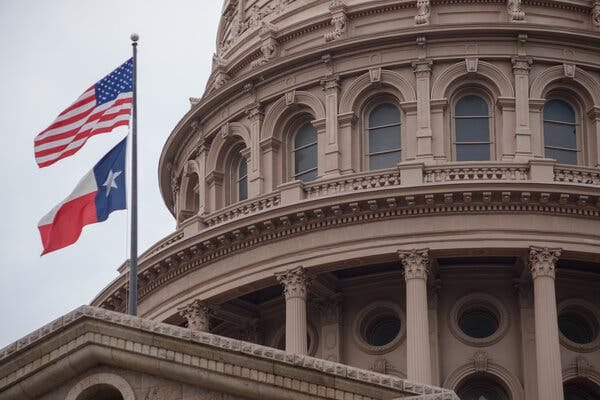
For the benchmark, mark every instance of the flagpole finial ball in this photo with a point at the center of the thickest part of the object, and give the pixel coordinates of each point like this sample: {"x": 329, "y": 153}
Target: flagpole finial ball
{"x": 135, "y": 37}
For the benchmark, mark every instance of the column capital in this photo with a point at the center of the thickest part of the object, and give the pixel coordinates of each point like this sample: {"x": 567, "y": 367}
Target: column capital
{"x": 330, "y": 83}
{"x": 295, "y": 282}
{"x": 542, "y": 261}
{"x": 415, "y": 262}
{"x": 422, "y": 68}
{"x": 255, "y": 112}
{"x": 197, "y": 314}
{"x": 521, "y": 65}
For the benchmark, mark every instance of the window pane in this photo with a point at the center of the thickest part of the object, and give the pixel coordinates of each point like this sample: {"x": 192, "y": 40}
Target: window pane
{"x": 559, "y": 135}
{"x": 243, "y": 169}
{"x": 384, "y": 114}
{"x": 472, "y": 152}
{"x": 309, "y": 176}
{"x": 305, "y": 159}
{"x": 383, "y": 139}
{"x": 558, "y": 110}
{"x": 387, "y": 160}
{"x": 562, "y": 156}
{"x": 472, "y": 130}
{"x": 471, "y": 106}
{"x": 243, "y": 189}
{"x": 306, "y": 134}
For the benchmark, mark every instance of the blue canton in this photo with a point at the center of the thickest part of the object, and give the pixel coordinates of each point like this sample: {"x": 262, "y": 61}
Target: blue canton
{"x": 118, "y": 81}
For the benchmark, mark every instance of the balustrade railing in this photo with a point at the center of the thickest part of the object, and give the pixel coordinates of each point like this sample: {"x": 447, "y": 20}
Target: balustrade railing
{"x": 362, "y": 181}
{"x": 460, "y": 173}
{"x": 246, "y": 207}
{"x": 581, "y": 175}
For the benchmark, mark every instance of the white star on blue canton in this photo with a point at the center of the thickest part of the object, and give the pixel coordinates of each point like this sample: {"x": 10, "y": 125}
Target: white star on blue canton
{"x": 110, "y": 181}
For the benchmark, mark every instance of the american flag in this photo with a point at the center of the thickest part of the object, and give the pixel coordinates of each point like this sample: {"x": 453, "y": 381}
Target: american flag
{"x": 100, "y": 109}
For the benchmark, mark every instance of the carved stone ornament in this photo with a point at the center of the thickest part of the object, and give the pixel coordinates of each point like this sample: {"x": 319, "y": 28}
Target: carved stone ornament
{"x": 542, "y": 261}
{"x": 339, "y": 21}
{"x": 472, "y": 64}
{"x": 331, "y": 311}
{"x": 480, "y": 361}
{"x": 582, "y": 366}
{"x": 269, "y": 47}
{"x": 295, "y": 282}
{"x": 596, "y": 13}
{"x": 197, "y": 315}
{"x": 416, "y": 263}
{"x": 375, "y": 75}
{"x": 569, "y": 70}
{"x": 423, "y": 12}
{"x": 515, "y": 13}
{"x": 521, "y": 65}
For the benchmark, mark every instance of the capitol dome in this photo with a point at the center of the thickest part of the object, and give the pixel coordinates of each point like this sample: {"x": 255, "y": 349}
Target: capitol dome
{"x": 404, "y": 187}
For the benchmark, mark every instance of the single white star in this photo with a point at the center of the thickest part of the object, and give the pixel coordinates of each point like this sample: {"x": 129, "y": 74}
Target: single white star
{"x": 110, "y": 181}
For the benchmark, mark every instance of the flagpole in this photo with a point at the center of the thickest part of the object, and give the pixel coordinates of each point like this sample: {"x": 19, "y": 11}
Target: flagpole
{"x": 133, "y": 283}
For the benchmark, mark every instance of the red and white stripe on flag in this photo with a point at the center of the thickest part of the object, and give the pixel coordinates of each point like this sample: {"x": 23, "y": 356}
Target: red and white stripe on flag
{"x": 100, "y": 109}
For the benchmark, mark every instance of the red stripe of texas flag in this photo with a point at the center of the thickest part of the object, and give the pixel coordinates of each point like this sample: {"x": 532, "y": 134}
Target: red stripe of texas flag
{"x": 68, "y": 222}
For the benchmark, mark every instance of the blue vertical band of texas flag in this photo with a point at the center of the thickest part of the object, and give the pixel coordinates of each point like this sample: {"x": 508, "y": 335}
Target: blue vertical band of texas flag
{"x": 100, "y": 192}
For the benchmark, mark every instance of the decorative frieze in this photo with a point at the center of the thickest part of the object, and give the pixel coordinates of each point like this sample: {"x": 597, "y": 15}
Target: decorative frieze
{"x": 197, "y": 315}
{"x": 415, "y": 262}
{"x": 596, "y": 13}
{"x": 295, "y": 282}
{"x": 542, "y": 261}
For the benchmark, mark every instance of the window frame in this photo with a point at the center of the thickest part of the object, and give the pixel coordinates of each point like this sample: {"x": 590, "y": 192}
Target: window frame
{"x": 489, "y": 100}
{"x": 368, "y": 108}
{"x": 575, "y": 106}
{"x": 233, "y": 158}
{"x": 293, "y": 129}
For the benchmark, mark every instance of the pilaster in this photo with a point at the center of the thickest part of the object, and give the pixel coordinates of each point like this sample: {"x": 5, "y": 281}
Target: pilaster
{"x": 255, "y": 115}
{"x": 523, "y": 142}
{"x": 332, "y": 158}
{"x": 197, "y": 315}
{"x": 331, "y": 329}
{"x": 422, "y": 70}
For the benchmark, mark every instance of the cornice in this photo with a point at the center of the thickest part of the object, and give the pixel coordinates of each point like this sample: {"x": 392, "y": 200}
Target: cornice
{"x": 151, "y": 343}
{"x": 343, "y": 209}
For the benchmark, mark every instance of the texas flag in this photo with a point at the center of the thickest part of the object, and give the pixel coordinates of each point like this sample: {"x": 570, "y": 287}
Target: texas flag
{"x": 99, "y": 193}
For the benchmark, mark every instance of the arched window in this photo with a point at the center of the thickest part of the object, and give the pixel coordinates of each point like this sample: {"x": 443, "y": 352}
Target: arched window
{"x": 242, "y": 179}
{"x": 560, "y": 132}
{"x": 305, "y": 153}
{"x": 384, "y": 137}
{"x": 481, "y": 387}
{"x": 472, "y": 139}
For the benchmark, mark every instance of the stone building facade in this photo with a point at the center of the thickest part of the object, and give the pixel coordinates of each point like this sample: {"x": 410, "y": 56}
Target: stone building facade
{"x": 404, "y": 187}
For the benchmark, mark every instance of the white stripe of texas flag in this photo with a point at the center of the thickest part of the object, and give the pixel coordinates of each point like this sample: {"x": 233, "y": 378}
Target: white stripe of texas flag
{"x": 86, "y": 185}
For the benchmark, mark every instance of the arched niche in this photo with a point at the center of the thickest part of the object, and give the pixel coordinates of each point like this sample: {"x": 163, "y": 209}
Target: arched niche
{"x": 362, "y": 85}
{"x": 483, "y": 366}
{"x": 103, "y": 380}
{"x": 286, "y": 105}
{"x": 584, "y": 80}
{"x": 490, "y": 72}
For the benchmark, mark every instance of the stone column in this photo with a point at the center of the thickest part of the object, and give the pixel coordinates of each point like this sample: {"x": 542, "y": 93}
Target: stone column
{"x": 295, "y": 286}
{"x": 416, "y": 269}
{"x": 523, "y": 143}
{"x": 422, "y": 69}
{"x": 197, "y": 315}
{"x": 542, "y": 264}
{"x": 331, "y": 329}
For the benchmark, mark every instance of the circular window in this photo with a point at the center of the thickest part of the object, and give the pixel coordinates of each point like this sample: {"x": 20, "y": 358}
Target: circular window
{"x": 478, "y": 323}
{"x": 478, "y": 320}
{"x": 581, "y": 389}
{"x": 578, "y": 323}
{"x": 379, "y": 327}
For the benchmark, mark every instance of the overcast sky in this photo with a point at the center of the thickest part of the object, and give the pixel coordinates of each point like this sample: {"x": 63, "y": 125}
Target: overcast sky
{"x": 50, "y": 52}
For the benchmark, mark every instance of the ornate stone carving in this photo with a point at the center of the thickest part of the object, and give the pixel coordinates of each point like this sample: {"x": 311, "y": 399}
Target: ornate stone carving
{"x": 423, "y": 12}
{"x": 542, "y": 261}
{"x": 596, "y": 13}
{"x": 339, "y": 21}
{"x": 295, "y": 282}
{"x": 197, "y": 315}
{"x": 472, "y": 63}
{"x": 521, "y": 65}
{"x": 515, "y": 13}
{"x": 375, "y": 75}
{"x": 480, "y": 361}
{"x": 569, "y": 70}
{"x": 269, "y": 47}
{"x": 415, "y": 262}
